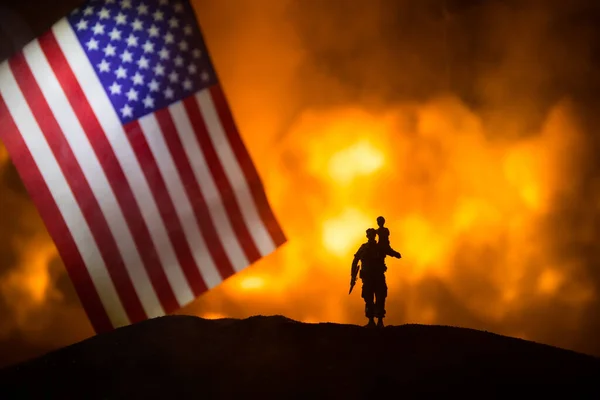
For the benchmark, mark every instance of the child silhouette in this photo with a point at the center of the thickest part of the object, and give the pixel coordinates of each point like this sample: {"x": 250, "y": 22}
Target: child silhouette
{"x": 383, "y": 238}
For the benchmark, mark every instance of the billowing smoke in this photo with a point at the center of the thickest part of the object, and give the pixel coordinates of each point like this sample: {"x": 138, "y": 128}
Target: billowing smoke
{"x": 467, "y": 124}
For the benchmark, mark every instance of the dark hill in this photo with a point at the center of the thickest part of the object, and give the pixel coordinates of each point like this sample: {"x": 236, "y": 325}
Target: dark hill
{"x": 274, "y": 357}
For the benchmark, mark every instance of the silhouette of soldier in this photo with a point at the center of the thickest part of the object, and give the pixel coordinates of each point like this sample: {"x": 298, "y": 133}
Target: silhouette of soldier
{"x": 372, "y": 273}
{"x": 383, "y": 238}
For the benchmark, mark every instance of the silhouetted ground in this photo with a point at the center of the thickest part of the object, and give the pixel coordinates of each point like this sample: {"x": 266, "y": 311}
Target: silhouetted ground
{"x": 274, "y": 357}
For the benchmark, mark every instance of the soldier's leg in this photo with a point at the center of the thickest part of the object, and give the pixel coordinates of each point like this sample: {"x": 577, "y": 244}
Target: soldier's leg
{"x": 368, "y": 293}
{"x": 380, "y": 296}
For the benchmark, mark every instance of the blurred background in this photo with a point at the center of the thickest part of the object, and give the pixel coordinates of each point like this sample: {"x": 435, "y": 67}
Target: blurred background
{"x": 471, "y": 125}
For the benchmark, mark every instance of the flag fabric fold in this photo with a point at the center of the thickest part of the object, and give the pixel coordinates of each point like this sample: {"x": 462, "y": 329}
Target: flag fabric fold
{"x": 121, "y": 132}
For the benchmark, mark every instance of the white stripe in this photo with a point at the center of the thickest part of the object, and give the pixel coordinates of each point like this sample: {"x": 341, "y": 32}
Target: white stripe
{"x": 234, "y": 174}
{"x": 94, "y": 174}
{"x": 61, "y": 192}
{"x": 209, "y": 188}
{"x": 166, "y": 165}
{"x": 111, "y": 124}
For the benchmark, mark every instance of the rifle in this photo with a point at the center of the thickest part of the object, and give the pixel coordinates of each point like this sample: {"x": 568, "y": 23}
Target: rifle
{"x": 353, "y": 275}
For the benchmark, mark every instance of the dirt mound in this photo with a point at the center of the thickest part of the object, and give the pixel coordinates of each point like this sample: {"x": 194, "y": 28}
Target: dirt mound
{"x": 275, "y": 357}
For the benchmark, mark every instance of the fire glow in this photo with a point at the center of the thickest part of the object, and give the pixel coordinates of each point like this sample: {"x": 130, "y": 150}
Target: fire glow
{"x": 447, "y": 194}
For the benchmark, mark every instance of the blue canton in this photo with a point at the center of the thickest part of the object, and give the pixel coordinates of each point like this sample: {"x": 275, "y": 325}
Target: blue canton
{"x": 148, "y": 54}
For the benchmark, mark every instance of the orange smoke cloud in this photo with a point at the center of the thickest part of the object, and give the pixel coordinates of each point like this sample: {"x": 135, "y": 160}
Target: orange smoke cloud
{"x": 28, "y": 285}
{"x": 440, "y": 186}
{"x": 466, "y": 207}
{"x": 3, "y": 157}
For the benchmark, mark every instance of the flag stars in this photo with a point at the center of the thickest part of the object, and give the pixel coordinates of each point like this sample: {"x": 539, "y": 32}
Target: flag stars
{"x": 104, "y": 13}
{"x": 137, "y": 79}
{"x": 121, "y": 19}
{"x": 115, "y": 88}
{"x": 121, "y": 72}
{"x": 110, "y": 50}
{"x": 163, "y": 54}
{"x": 104, "y": 66}
{"x": 115, "y": 34}
{"x": 132, "y": 95}
{"x": 126, "y": 111}
{"x": 148, "y": 102}
{"x": 143, "y": 63}
{"x": 158, "y": 15}
{"x": 148, "y": 47}
{"x": 92, "y": 44}
{"x": 142, "y": 9}
{"x": 159, "y": 69}
{"x": 137, "y": 25}
{"x": 153, "y": 31}
{"x": 157, "y": 40}
{"x": 82, "y": 25}
{"x": 98, "y": 29}
{"x": 132, "y": 41}
{"x": 126, "y": 57}
{"x": 153, "y": 85}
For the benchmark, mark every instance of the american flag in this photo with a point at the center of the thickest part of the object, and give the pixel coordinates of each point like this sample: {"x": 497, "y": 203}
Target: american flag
{"x": 121, "y": 132}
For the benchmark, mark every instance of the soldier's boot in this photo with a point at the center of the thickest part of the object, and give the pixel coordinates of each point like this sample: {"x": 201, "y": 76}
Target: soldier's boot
{"x": 371, "y": 323}
{"x": 380, "y": 323}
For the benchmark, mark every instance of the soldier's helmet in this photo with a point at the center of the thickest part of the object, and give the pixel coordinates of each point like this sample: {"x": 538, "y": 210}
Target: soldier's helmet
{"x": 380, "y": 221}
{"x": 371, "y": 233}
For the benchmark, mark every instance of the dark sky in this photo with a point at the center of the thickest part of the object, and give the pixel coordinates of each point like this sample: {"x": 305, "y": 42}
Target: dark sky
{"x": 509, "y": 60}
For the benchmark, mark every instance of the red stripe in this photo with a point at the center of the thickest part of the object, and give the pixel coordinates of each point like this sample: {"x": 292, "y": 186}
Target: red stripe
{"x": 227, "y": 195}
{"x": 248, "y": 168}
{"x": 194, "y": 193}
{"x": 42, "y": 198}
{"x": 112, "y": 169}
{"x": 165, "y": 206}
{"x": 80, "y": 188}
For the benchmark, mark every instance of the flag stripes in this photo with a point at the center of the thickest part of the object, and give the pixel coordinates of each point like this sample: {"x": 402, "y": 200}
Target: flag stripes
{"x": 194, "y": 153}
{"x": 85, "y": 195}
{"x": 244, "y": 161}
{"x": 110, "y": 165}
{"x": 32, "y": 145}
{"x": 228, "y": 202}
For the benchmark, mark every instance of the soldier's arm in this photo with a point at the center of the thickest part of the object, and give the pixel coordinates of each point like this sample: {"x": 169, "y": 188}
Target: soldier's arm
{"x": 354, "y": 266}
{"x": 356, "y": 259}
{"x": 354, "y": 263}
{"x": 394, "y": 253}
{"x": 389, "y": 251}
